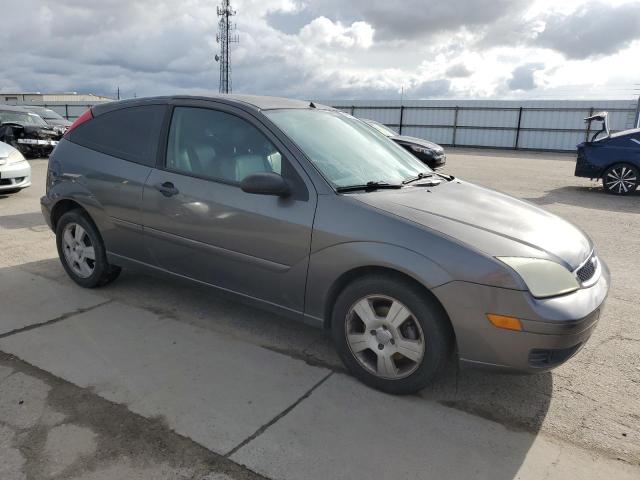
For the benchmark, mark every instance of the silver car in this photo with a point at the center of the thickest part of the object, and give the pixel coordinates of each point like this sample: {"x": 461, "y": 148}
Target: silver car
{"x": 15, "y": 171}
{"x": 303, "y": 210}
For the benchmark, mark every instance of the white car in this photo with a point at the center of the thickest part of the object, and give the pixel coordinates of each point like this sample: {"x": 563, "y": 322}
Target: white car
{"x": 15, "y": 171}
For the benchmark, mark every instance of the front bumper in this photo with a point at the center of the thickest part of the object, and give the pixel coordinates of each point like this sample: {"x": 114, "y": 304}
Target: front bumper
{"x": 36, "y": 147}
{"x": 15, "y": 175}
{"x": 554, "y": 329}
{"x": 38, "y": 142}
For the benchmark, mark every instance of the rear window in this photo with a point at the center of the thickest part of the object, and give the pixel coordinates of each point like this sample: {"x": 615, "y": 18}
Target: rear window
{"x": 129, "y": 133}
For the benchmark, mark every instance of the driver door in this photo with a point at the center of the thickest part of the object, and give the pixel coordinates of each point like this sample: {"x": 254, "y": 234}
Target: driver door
{"x": 198, "y": 223}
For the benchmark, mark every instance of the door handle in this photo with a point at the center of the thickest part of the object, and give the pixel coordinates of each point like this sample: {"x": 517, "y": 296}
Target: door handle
{"x": 167, "y": 189}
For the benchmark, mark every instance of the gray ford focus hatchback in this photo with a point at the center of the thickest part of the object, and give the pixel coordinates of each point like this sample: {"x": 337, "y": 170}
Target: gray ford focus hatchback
{"x": 304, "y": 210}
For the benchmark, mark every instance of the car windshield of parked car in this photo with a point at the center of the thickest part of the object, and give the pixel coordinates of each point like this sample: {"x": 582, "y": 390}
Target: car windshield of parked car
{"x": 22, "y": 118}
{"x": 383, "y": 129}
{"x": 48, "y": 114}
{"x": 344, "y": 149}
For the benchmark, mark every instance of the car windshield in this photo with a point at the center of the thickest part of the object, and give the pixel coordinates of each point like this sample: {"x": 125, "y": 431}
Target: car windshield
{"x": 383, "y": 129}
{"x": 49, "y": 114}
{"x": 344, "y": 149}
{"x": 23, "y": 118}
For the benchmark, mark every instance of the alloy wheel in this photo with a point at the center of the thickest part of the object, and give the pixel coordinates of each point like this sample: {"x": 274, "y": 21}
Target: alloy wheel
{"x": 384, "y": 337}
{"x": 78, "y": 250}
{"x": 620, "y": 180}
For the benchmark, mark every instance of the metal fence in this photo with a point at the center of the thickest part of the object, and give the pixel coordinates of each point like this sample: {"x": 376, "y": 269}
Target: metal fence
{"x": 530, "y": 125}
{"x": 70, "y": 111}
{"x": 527, "y": 125}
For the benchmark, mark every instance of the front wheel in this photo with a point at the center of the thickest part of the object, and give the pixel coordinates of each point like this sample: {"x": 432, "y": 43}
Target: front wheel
{"x": 82, "y": 252}
{"x": 391, "y": 334}
{"x": 620, "y": 179}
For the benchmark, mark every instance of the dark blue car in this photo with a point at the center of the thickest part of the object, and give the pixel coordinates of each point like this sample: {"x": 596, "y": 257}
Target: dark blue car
{"x": 615, "y": 158}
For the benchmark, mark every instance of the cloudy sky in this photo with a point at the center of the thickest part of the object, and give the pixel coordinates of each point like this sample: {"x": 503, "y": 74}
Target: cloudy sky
{"x": 327, "y": 48}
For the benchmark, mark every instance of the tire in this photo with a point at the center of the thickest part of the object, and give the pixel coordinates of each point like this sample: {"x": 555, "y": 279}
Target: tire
{"x": 87, "y": 243}
{"x": 423, "y": 324}
{"x": 10, "y": 192}
{"x": 620, "y": 179}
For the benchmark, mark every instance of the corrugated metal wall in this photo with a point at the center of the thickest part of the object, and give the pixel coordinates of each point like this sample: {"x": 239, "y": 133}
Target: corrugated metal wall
{"x": 69, "y": 110}
{"x": 530, "y": 124}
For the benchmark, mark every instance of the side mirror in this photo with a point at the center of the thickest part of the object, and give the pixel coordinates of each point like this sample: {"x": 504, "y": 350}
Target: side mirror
{"x": 265, "y": 183}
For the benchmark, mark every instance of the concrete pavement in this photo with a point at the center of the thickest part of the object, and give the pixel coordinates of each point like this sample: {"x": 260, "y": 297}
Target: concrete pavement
{"x": 244, "y": 393}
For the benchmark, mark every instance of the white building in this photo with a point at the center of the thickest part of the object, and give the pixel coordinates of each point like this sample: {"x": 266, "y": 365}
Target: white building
{"x": 38, "y": 98}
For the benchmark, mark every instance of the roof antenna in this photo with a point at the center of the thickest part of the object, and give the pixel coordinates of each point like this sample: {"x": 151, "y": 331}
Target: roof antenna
{"x": 312, "y": 105}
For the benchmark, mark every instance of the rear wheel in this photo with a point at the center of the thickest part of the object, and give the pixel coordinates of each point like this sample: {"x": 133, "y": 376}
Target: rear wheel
{"x": 81, "y": 251}
{"x": 391, "y": 334}
{"x": 621, "y": 179}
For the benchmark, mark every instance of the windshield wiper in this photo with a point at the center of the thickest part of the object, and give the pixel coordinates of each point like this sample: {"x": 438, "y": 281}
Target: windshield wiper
{"x": 420, "y": 176}
{"x": 369, "y": 186}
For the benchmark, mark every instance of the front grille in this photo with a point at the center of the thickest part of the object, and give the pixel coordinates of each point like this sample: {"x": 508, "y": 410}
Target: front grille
{"x": 588, "y": 270}
{"x": 547, "y": 357}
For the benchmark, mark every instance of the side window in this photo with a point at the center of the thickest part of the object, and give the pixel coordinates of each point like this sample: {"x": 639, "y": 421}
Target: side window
{"x": 218, "y": 145}
{"x": 129, "y": 133}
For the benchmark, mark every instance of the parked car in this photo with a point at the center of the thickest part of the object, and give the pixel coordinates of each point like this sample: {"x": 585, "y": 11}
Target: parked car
{"x": 27, "y": 132}
{"x": 15, "y": 171}
{"x": 427, "y": 152}
{"x": 614, "y": 158}
{"x": 51, "y": 118}
{"x": 304, "y": 210}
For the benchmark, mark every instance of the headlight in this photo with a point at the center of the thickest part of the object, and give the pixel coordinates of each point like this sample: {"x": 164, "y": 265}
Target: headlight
{"x": 15, "y": 157}
{"x": 418, "y": 149}
{"x": 543, "y": 278}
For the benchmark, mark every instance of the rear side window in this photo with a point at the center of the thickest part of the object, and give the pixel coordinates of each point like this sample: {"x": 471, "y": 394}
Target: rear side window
{"x": 129, "y": 133}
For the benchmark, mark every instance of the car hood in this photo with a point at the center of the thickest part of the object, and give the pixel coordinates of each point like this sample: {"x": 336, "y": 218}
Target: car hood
{"x": 418, "y": 141}
{"x": 57, "y": 122}
{"x": 486, "y": 220}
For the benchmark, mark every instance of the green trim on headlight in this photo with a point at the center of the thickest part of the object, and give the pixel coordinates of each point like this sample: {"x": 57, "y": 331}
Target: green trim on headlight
{"x": 543, "y": 278}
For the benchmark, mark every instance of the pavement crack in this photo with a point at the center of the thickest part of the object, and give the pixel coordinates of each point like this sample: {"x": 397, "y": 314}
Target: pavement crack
{"x": 306, "y": 357}
{"x": 57, "y": 319}
{"x": 261, "y": 430}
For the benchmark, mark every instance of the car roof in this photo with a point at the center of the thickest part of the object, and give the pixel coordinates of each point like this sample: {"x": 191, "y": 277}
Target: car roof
{"x": 13, "y": 108}
{"x": 255, "y": 102}
{"x": 35, "y": 108}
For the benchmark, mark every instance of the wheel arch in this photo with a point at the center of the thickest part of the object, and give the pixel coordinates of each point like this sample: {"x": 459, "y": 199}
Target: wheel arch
{"x": 616, "y": 164}
{"x": 63, "y": 206}
{"x": 363, "y": 271}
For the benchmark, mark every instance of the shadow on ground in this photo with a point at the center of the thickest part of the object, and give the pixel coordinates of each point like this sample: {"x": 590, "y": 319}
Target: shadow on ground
{"x": 510, "y": 153}
{"x": 517, "y": 402}
{"x": 22, "y": 220}
{"x": 590, "y": 197}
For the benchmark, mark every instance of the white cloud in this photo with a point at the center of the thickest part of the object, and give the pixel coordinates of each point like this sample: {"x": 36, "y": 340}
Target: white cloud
{"x": 323, "y": 32}
{"x": 325, "y": 48}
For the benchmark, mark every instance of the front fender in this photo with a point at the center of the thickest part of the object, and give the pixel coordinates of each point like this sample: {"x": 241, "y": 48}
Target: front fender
{"x": 326, "y": 266}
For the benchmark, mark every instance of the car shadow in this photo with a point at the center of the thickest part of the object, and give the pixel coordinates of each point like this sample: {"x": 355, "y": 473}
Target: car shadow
{"x": 509, "y": 153}
{"x": 22, "y": 220}
{"x": 590, "y": 197}
{"x": 518, "y": 404}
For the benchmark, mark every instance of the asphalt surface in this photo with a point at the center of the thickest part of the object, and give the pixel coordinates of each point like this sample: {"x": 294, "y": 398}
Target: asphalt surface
{"x": 155, "y": 379}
